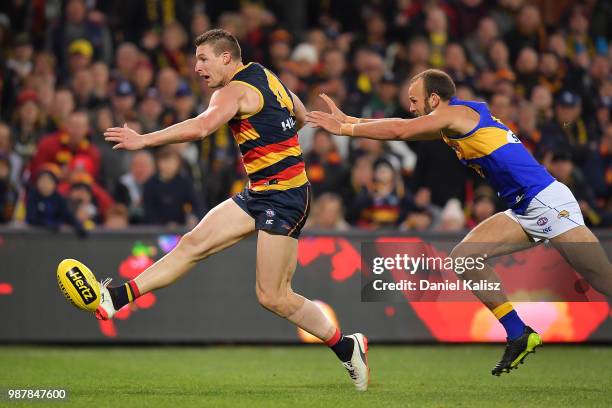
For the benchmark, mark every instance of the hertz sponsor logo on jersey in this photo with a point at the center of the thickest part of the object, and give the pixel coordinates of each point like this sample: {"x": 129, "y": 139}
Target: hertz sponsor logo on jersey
{"x": 78, "y": 284}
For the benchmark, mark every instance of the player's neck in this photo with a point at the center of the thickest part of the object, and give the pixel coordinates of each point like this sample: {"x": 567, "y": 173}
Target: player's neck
{"x": 233, "y": 70}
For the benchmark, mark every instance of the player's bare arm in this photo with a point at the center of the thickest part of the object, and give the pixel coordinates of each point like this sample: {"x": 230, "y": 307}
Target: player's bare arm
{"x": 300, "y": 111}
{"x": 428, "y": 127}
{"x": 224, "y": 104}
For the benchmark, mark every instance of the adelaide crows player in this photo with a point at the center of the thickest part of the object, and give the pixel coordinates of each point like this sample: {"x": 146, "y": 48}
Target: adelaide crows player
{"x": 540, "y": 208}
{"x": 264, "y": 116}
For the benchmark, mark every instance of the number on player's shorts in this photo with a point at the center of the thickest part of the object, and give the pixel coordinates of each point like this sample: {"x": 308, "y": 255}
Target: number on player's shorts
{"x": 279, "y": 90}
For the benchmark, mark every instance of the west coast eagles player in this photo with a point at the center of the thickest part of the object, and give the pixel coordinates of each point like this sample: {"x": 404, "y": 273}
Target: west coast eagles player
{"x": 540, "y": 208}
{"x": 264, "y": 117}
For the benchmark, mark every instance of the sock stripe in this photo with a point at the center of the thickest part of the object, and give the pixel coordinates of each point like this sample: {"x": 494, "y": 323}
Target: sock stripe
{"x": 334, "y": 339}
{"x": 502, "y": 310}
{"x": 133, "y": 289}
{"x": 128, "y": 290}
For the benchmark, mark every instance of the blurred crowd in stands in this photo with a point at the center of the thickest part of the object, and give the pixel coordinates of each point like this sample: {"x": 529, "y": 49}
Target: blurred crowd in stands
{"x": 70, "y": 69}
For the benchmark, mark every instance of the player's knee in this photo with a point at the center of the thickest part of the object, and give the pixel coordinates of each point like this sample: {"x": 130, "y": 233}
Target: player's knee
{"x": 273, "y": 301}
{"x": 462, "y": 250}
{"x": 191, "y": 247}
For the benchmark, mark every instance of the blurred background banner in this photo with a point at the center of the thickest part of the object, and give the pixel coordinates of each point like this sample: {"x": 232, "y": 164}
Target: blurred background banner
{"x": 216, "y": 302}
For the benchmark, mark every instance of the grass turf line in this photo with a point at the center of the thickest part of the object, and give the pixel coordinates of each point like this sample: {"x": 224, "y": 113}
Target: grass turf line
{"x": 407, "y": 376}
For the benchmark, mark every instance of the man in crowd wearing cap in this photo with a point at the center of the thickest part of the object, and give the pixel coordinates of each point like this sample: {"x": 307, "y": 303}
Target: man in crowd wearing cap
{"x": 80, "y": 53}
{"x": 567, "y": 130}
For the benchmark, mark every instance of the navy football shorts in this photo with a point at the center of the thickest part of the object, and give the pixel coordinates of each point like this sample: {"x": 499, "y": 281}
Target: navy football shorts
{"x": 282, "y": 212}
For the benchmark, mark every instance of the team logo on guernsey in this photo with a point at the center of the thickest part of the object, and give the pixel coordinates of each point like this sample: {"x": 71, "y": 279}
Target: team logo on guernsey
{"x": 542, "y": 221}
{"x": 270, "y": 213}
{"x": 563, "y": 214}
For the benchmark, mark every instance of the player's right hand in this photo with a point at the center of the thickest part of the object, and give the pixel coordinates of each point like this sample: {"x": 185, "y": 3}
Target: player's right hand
{"x": 324, "y": 120}
{"x": 125, "y": 138}
{"x": 333, "y": 108}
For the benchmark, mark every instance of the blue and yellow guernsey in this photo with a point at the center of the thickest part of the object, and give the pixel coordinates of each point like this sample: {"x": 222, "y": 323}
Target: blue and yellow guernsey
{"x": 497, "y": 155}
{"x": 268, "y": 138}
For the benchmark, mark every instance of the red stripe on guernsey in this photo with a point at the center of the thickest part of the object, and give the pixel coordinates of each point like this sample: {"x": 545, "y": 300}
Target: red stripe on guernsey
{"x": 261, "y": 151}
{"x": 286, "y": 174}
{"x": 134, "y": 288}
{"x": 334, "y": 339}
{"x": 240, "y": 125}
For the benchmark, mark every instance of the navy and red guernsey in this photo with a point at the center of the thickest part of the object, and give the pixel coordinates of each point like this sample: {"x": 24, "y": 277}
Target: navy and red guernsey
{"x": 268, "y": 138}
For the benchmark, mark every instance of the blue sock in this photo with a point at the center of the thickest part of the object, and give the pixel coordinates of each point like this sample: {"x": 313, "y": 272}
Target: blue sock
{"x": 513, "y": 324}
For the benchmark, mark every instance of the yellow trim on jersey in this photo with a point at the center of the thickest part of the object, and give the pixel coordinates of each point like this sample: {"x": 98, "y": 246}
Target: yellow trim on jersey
{"x": 261, "y": 100}
{"x": 277, "y": 88}
{"x": 481, "y": 143}
{"x": 249, "y": 134}
{"x": 293, "y": 182}
{"x": 271, "y": 158}
{"x": 241, "y": 69}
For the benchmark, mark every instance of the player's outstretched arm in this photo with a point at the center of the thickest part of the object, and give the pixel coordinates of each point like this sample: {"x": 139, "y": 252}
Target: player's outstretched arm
{"x": 427, "y": 127}
{"x": 223, "y": 105}
{"x": 343, "y": 117}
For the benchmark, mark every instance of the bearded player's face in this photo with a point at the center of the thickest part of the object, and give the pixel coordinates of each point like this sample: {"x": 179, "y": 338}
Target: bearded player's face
{"x": 211, "y": 67}
{"x": 416, "y": 94}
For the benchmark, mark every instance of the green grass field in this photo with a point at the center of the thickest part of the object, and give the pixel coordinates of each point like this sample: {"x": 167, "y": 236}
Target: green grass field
{"x": 407, "y": 376}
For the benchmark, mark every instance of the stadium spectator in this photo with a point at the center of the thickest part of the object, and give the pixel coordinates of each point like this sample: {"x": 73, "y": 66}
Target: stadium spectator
{"x": 452, "y": 218}
{"x": 61, "y": 147}
{"x": 436, "y": 25}
{"x": 150, "y": 110}
{"x": 62, "y": 107}
{"x": 9, "y": 193}
{"x": 484, "y": 206}
{"x": 528, "y": 32}
{"x": 479, "y": 42}
{"x": 526, "y": 71}
{"x": 327, "y": 214}
{"x": 598, "y": 169}
{"x": 45, "y": 207}
{"x": 143, "y": 77}
{"x": 563, "y": 169}
{"x": 123, "y": 101}
{"x": 169, "y": 197}
{"x": 324, "y": 166}
{"x": 15, "y": 161}
{"x": 100, "y": 77}
{"x": 117, "y": 218}
{"x": 75, "y": 26}
{"x": 82, "y": 204}
{"x": 80, "y": 56}
{"x": 82, "y": 87}
{"x": 130, "y": 186}
{"x": 567, "y": 131}
{"x": 386, "y": 203}
{"x": 28, "y": 127}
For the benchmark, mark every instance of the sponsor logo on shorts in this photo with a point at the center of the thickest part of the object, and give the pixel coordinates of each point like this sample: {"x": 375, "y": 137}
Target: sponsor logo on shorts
{"x": 563, "y": 214}
{"x": 542, "y": 221}
{"x": 75, "y": 276}
{"x": 547, "y": 229}
{"x": 270, "y": 212}
{"x": 269, "y": 222}
{"x": 519, "y": 198}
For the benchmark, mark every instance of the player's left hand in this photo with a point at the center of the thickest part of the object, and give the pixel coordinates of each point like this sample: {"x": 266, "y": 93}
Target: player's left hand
{"x": 324, "y": 120}
{"x": 125, "y": 138}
